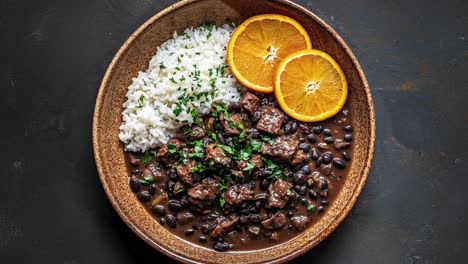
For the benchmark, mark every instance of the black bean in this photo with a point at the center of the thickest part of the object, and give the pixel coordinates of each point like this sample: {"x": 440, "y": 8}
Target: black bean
{"x": 323, "y": 184}
{"x": 265, "y": 183}
{"x": 206, "y": 228}
{"x": 252, "y": 185}
{"x": 289, "y": 214}
{"x": 152, "y": 189}
{"x": 184, "y": 202}
{"x": 175, "y": 205}
{"x": 318, "y": 162}
{"x": 340, "y": 164}
{"x": 348, "y": 128}
{"x": 189, "y": 232}
{"x": 254, "y": 133}
{"x": 304, "y": 146}
{"x": 297, "y": 188}
{"x": 263, "y": 173}
{"x": 299, "y": 178}
{"x": 158, "y": 210}
{"x": 135, "y": 184}
{"x": 346, "y": 156}
{"x": 320, "y": 209}
{"x": 296, "y": 167}
{"x": 257, "y": 115}
{"x": 202, "y": 239}
{"x": 303, "y": 201}
{"x": 327, "y": 157}
{"x": 306, "y": 169}
{"x": 229, "y": 142}
{"x": 315, "y": 154}
{"x": 348, "y": 137}
{"x": 293, "y": 126}
{"x": 221, "y": 246}
{"x": 255, "y": 219}
{"x": 311, "y": 138}
{"x": 260, "y": 196}
{"x": 303, "y": 190}
{"x": 173, "y": 174}
{"x": 312, "y": 195}
{"x": 221, "y": 138}
{"x": 317, "y": 129}
{"x": 235, "y": 106}
{"x": 206, "y": 142}
{"x": 301, "y": 139}
{"x": 289, "y": 174}
{"x": 287, "y": 128}
{"x": 162, "y": 221}
{"x": 171, "y": 221}
{"x": 329, "y": 140}
{"x": 243, "y": 219}
{"x": 259, "y": 203}
{"x": 253, "y": 210}
{"x": 293, "y": 195}
{"x": 324, "y": 202}
{"x": 327, "y": 132}
{"x": 144, "y": 196}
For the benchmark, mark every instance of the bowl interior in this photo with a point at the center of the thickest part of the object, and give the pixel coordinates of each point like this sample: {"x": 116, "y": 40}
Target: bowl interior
{"x": 135, "y": 55}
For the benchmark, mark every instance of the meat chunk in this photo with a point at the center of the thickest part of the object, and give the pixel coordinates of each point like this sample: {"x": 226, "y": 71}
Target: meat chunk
{"x": 271, "y": 120}
{"x": 185, "y": 172}
{"x": 277, "y": 221}
{"x": 216, "y": 154}
{"x": 236, "y": 194}
{"x": 154, "y": 171}
{"x": 134, "y": 160}
{"x": 231, "y": 124}
{"x": 196, "y": 132}
{"x": 299, "y": 222}
{"x": 204, "y": 193}
{"x": 299, "y": 157}
{"x": 224, "y": 225}
{"x": 249, "y": 101}
{"x": 256, "y": 160}
{"x": 164, "y": 154}
{"x": 283, "y": 149}
{"x": 278, "y": 193}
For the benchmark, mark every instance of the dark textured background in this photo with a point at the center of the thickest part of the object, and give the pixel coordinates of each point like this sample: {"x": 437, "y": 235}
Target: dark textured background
{"x": 413, "y": 209}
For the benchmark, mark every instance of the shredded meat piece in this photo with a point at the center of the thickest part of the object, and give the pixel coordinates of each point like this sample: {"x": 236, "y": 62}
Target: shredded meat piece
{"x": 249, "y": 101}
{"x": 224, "y": 225}
{"x": 185, "y": 174}
{"x": 204, "y": 192}
{"x": 277, "y": 221}
{"x": 278, "y": 193}
{"x": 236, "y": 194}
{"x": 299, "y": 222}
{"x": 271, "y": 120}
{"x": 231, "y": 125}
{"x": 215, "y": 153}
{"x": 298, "y": 158}
{"x": 283, "y": 148}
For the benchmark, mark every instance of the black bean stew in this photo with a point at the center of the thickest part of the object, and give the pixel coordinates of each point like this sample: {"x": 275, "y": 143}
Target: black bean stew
{"x": 245, "y": 177}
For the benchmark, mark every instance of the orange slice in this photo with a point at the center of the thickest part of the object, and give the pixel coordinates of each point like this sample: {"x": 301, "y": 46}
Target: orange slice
{"x": 310, "y": 86}
{"x": 258, "y": 45}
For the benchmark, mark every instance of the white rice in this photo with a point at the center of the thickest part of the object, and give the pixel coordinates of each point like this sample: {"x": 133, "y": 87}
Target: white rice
{"x": 187, "y": 72}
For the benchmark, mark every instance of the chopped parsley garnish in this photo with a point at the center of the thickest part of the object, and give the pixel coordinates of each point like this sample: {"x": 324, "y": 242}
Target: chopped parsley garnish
{"x": 172, "y": 80}
{"x": 140, "y": 101}
{"x": 171, "y": 147}
{"x": 267, "y": 139}
{"x": 208, "y": 26}
{"x": 250, "y": 167}
{"x": 147, "y": 180}
{"x": 147, "y": 157}
{"x": 177, "y": 109}
{"x": 275, "y": 171}
{"x": 310, "y": 208}
{"x": 162, "y": 66}
{"x": 222, "y": 202}
{"x": 180, "y": 190}
{"x": 288, "y": 192}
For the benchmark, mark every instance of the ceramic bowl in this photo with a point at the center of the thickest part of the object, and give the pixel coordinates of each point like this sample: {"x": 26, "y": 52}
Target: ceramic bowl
{"x": 134, "y": 56}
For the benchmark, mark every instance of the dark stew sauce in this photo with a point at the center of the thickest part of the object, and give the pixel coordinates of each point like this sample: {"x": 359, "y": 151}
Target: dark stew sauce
{"x": 245, "y": 177}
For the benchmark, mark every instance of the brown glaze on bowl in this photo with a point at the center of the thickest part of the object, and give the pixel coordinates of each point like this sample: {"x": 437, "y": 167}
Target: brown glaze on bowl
{"x": 134, "y": 56}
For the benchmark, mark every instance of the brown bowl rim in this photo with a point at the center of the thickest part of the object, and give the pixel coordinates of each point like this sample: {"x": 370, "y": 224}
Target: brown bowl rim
{"x": 331, "y": 225}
